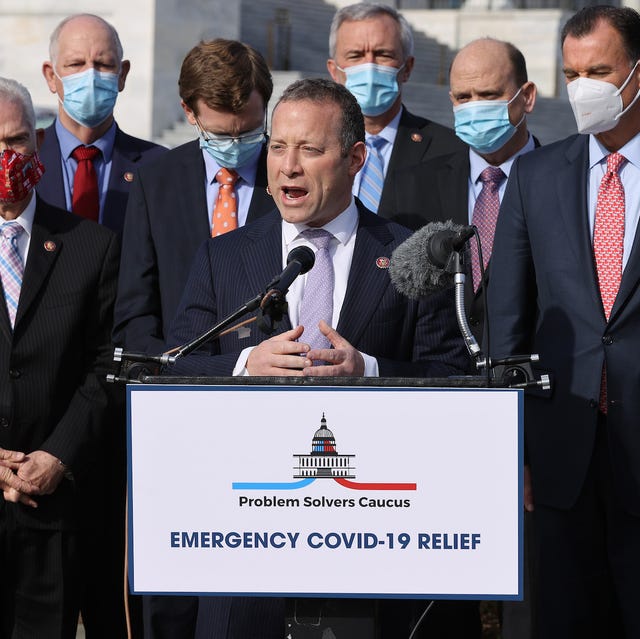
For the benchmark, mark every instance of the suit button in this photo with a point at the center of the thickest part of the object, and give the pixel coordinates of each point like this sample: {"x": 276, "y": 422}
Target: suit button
{"x": 4, "y": 422}
{"x": 607, "y": 340}
{"x": 14, "y": 373}
{"x": 593, "y": 403}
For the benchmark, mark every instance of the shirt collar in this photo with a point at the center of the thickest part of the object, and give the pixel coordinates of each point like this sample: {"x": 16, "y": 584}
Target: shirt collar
{"x": 341, "y": 227}
{"x": 247, "y": 172}
{"x": 68, "y": 141}
{"x": 477, "y": 164}
{"x": 390, "y": 131}
{"x": 598, "y": 153}
{"x": 25, "y": 219}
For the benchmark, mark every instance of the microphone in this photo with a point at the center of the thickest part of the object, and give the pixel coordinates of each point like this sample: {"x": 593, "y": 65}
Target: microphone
{"x": 274, "y": 304}
{"x": 419, "y": 266}
{"x": 300, "y": 260}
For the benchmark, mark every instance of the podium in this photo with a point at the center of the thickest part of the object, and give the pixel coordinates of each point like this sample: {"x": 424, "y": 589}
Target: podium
{"x": 333, "y": 492}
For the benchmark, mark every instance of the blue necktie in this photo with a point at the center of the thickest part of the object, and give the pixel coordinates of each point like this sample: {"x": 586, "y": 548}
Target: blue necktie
{"x": 11, "y": 267}
{"x": 372, "y": 178}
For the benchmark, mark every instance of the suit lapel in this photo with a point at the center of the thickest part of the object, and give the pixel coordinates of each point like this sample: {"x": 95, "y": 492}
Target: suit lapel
{"x": 367, "y": 281}
{"x": 51, "y": 187}
{"x": 261, "y": 255}
{"x": 574, "y": 209}
{"x": 44, "y": 248}
{"x": 453, "y": 188}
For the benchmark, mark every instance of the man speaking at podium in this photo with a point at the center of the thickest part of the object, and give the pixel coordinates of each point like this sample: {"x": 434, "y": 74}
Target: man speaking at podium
{"x": 316, "y": 149}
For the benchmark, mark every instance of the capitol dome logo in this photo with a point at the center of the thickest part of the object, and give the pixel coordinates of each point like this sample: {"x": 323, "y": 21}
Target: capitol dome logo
{"x": 323, "y": 462}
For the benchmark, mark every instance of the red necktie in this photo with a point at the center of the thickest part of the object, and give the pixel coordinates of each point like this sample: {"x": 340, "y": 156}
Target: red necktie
{"x": 225, "y": 211}
{"x": 485, "y": 216}
{"x": 608, "y": 243}
{"x": 86, "y": 200}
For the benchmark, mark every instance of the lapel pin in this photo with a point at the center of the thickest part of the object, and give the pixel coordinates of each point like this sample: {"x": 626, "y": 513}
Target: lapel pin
{"x": 416, "y": 137}
{"x": 49, "y": 245}
{"x": 382, "y": 262}
{"x": 128, "y": 176}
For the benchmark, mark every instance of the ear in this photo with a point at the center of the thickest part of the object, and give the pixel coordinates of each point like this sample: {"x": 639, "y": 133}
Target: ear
{"x": 191, "y": 116}
{"x": 357, "y": 155}
{"x": 453, "y": 100}
{"x": 49, "y": 76}
{"x": 125, "y": 67}
{"x": 334, "y": 72}
{"x": 404, "y": 75}
{"x": 530, "y": 92}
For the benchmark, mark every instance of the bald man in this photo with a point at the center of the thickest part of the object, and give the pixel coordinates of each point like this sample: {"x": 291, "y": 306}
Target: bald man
{"x": 86, "y": 71}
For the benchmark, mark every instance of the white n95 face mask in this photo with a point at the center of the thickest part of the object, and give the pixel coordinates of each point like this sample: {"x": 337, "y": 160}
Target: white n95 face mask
{"x": 597, "y": 105}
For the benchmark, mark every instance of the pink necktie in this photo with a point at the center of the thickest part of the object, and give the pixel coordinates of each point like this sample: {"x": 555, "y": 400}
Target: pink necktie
{"x": 608, "y": 243}
{"x": 485, "y": 216}
{"x": 608, "y": 232}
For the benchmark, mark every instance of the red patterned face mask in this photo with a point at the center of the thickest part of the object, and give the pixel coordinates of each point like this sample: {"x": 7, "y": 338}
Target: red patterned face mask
{"x": 18, "y": 175}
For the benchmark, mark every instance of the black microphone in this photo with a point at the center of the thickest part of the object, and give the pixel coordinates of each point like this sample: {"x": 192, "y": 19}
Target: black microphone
{"x": 419, "y": 265}
{"x": 300, "y": 260}
{"x": 274, "y": 304}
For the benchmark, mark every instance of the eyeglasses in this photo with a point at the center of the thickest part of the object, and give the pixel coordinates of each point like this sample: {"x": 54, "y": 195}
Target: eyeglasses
{"x": 218, "y": 140}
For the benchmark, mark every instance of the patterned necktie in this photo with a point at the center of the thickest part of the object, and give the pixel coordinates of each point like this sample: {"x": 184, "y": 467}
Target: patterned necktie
{"x": 608, "y": 244}
{"x": 225, "y": 212}
{"x": 86, "y": 199}
{"x": 608, "y": 232}
{"x": 485, "y": 216}
{"x": 317, "y": 301}
{"x": 372, "y": 178}
{"x": 11, "y": 267}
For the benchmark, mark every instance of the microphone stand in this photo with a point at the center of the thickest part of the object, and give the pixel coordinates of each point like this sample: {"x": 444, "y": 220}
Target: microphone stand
{"x": 508, "y": 372}
{"x": 135, "y": 365}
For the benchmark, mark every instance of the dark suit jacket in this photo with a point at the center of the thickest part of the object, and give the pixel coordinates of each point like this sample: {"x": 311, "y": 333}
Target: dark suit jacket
{"x": 408, "y": 338}
{"x": 129, "y": 154}
{"x": 443, "y": 183}
{"x": 418, "y": 140}
{"x": 52, "y": 368}
{"x": 545, "y": 299}
{"x": 167, "y": 220}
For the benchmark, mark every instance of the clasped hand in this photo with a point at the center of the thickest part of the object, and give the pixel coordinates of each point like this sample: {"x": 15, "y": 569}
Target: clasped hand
{"x": 284, "y": 355}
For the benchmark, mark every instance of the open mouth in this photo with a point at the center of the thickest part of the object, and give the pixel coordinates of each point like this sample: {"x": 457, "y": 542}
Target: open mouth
{"x": 293, "y": 192}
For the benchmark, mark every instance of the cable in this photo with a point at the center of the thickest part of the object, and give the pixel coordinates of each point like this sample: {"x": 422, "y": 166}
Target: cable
{"x": 422, "y": 616}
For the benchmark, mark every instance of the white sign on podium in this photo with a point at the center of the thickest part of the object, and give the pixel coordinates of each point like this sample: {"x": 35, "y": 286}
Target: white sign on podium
{"x": 326, "y": 491}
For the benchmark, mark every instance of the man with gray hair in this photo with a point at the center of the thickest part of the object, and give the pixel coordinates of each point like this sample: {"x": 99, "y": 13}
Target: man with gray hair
{"x": 371, "y": 53}
{"x": 90, "y": 162}
{"x": 58, "y": 282}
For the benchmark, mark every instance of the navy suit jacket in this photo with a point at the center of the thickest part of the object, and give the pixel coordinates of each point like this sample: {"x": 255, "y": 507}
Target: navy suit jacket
{"x": 129, "y": 154}
{"x": 409, "y": 338}
{"x": 545, "y": 299}
{"x": 418, "y": 140}
{"x": 53, "y": 395}
{"x": 167, "y": 220}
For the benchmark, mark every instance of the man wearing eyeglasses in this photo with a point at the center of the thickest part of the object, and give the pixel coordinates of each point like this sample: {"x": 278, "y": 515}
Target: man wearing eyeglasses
{"x": 179, "y": 201}
{"x": 203, "y": 188}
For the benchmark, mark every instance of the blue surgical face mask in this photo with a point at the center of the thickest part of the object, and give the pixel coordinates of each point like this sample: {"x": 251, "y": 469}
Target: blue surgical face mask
{"x": 375, "y": 86}
{"x": 89, "y": 96}
{"x": 484, "y": 124}
{"x": 230, "y": 152}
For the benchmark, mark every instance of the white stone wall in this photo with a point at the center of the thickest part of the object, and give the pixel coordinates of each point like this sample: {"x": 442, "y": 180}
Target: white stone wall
{"x": 535, "y": 32}
{"x": 155, "y": 35}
